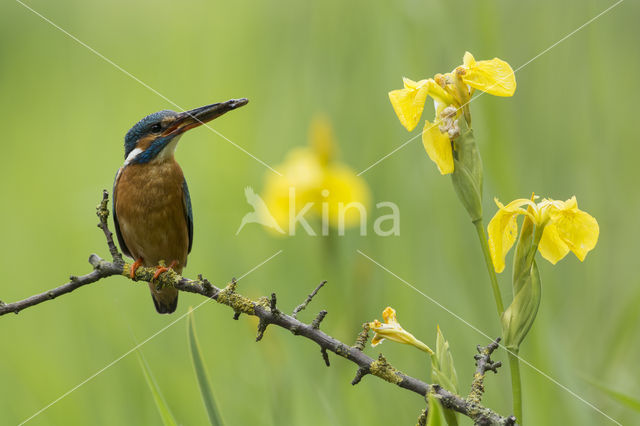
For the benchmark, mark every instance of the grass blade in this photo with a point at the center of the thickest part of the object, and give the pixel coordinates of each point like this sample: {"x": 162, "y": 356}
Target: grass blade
{"x": 161, "y": 404}
{"x": 201, "y": 373}
{"x": 624, "y": 399}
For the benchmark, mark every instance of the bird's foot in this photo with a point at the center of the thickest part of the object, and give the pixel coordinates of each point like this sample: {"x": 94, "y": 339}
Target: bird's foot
{"x": 162, "y": 269}
{"x": 134, "y": 267}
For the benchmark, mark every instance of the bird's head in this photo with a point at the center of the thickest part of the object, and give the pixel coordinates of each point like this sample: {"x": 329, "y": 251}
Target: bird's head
{"x": 155, "y": 136}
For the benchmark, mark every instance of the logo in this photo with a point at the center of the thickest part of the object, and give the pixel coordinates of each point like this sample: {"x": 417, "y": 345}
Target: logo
{"x": 329, "y": 214}
{"x": 260, "y": 213}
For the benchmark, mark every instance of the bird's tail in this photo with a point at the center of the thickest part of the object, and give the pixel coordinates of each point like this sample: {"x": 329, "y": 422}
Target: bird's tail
{"x": 165, "y": 299}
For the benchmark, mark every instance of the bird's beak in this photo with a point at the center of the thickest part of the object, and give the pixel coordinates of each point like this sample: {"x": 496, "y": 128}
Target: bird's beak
{"x": 195, "y": 117}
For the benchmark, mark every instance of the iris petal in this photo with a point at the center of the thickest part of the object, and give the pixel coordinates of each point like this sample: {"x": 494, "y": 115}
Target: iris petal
{"x": 551, "y": 245}
{"x": 438, "y": 147}
{"x": 494, "y": 77}
{"x": 577, "y": 229}
{"x": 408, "y": 103}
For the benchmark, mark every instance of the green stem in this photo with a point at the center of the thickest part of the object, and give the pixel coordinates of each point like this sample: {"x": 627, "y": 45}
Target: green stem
{"x": 487, "y": 259}
{"x": 516, "y": 387}
{"x": 514, "y": 364}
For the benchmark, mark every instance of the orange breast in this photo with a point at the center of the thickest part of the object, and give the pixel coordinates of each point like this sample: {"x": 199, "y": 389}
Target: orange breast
{"x": 150, "y": 210}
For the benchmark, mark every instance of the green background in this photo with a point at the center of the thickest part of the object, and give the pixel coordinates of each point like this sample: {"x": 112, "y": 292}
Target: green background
{"x": 569, "y": 130}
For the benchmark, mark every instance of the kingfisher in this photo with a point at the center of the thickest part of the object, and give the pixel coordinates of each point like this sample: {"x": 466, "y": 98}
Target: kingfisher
{"x": 151, "y": 203}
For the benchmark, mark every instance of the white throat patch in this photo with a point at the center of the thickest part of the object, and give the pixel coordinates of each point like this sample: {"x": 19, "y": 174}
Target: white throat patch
{"x": 166, "y": 152}
{"x": 132, "y": 156}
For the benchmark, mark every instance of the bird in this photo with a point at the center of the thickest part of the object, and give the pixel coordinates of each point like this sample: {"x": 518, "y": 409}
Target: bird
{"x": 261, "y": 213}
{"x": 152, "y": 210}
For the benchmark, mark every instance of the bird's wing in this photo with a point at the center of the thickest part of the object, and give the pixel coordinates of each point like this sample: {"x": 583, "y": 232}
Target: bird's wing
{"x": 188, "y": 213}
{"x": 249, "y": 194}
{"x": 123, "y": 246}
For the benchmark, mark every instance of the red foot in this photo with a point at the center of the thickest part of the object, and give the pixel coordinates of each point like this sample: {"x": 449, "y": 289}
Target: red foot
{"x": 135, "y": 267}
{"x": 162, "y": 269}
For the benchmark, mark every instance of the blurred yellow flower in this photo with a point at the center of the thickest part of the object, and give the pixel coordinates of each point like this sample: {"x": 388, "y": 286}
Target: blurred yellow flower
{"x": 314, "y": 184}
{"x": 563, "y": 228}
{"x": 451, "y": 93}
{"x": 392, "y": 330}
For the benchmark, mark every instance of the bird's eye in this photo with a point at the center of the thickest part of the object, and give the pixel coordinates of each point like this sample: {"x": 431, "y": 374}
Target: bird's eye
{"x": 156, "y": 128}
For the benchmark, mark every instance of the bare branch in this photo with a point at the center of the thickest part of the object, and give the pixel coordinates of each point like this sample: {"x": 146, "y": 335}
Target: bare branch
{"x": 103, "y": 214}
{"x": 362, "y": 371}
{"x": 362, "y": 338}
{"x": 483, "y": 364}
{"x": 318, "y": 319}
{"x": 267, "y": 313}
{"x": 102, "y": 269}
{"x": 304, "y": 304}
{"x": 325, "y": 357}
{"x": 422, "y": 419}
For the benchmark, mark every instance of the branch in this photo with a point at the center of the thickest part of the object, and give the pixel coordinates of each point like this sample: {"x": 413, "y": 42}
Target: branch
{"x": 483, "y": 364}
{"x": 307, "y": 300}
{"x": 266, "y": 311}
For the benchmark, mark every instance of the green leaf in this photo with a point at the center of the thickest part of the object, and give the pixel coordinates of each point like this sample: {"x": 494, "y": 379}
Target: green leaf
{"x": 624, "y": 399}
{"x": 161, "y": 404}
{"x": 201, "y": 373}
{"x": 443, "y": 372}
{"x": 434, "y": 416}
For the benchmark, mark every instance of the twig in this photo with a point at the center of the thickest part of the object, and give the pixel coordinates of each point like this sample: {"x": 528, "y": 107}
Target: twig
{"x": 360, "y": 373}
{"x": 362, "y": 338}
{"x": 325, "y": 357}
{"x": 102, "y": 269}
{"x": 318, "y": 319}
{"x": 267, "y": 314}
{"x": 103, "y": 214}
{"x": 422, "y": 419}
{"x": 304, "y": 304}
{"x": 483, "y": 364}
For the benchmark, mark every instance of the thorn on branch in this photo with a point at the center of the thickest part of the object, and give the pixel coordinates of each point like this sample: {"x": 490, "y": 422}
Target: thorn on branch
{"x": 325, "y": 356}
{"x": 207, "y": 286}
{"x": 484, "y": 363}
{"x": 95, "y": 260}
{"x": 304, "y": 304}
{"x": 272, "y": 304}
{"x": 318, "y": 319}
{"x": 362, "y": 338}
{"x": 262, "y": 326}
{"x": 362, "y": 371}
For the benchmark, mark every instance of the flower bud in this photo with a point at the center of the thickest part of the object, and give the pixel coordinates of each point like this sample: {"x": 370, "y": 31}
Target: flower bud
{"x": 467, "y": 172}
{"x": 519, "y": 316}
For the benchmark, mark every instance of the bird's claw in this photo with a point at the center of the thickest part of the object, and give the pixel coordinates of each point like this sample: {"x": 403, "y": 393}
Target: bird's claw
{"x": 134, "y": 268}
{"x": 162, "y": 269}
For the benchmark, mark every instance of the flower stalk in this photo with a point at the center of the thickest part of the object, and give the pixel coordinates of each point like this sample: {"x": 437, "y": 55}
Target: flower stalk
{"x": 482, "y": 237}
{"x": 516, "y": 385}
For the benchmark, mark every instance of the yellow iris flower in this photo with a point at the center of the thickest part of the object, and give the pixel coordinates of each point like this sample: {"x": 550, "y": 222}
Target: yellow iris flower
{"x": 392, "y": 330}
{"x": 563, "y": 225}
{"x": 313, "y": 176}
{"x": 451, "y": 93}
